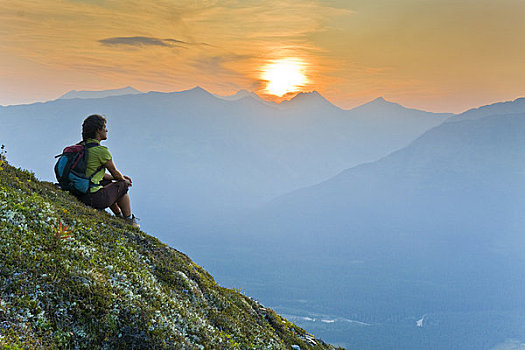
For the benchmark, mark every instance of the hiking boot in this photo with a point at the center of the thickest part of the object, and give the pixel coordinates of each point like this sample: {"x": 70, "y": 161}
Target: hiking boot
{"x": 132, "y": 220}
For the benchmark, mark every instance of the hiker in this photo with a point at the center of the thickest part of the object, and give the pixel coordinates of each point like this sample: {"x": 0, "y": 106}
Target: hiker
{"x": 108, "y": 190}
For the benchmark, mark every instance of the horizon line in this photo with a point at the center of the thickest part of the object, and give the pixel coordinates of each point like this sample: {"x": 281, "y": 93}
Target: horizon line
{"x": 291, "y": 95}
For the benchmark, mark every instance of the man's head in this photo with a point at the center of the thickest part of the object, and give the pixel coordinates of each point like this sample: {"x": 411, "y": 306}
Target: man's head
{"x": 93, "y": 126}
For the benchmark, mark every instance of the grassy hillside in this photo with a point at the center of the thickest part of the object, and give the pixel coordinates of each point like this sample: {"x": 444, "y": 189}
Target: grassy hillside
{"x": 99, "y": 283}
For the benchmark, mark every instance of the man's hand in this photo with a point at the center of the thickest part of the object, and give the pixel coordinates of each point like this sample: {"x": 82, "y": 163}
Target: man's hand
{"x": 117, "y": 175}
{"x": 128, "y": 181}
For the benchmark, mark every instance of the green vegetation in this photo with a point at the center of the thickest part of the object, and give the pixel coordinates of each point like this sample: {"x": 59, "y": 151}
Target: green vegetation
{"x": 72, "y": 277}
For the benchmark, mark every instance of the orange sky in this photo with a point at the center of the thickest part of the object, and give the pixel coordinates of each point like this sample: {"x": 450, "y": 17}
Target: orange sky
{"x": 436, "y": 55}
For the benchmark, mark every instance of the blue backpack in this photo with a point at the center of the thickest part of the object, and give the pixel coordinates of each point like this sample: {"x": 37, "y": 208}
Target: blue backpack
{"x": 70, "y": 169}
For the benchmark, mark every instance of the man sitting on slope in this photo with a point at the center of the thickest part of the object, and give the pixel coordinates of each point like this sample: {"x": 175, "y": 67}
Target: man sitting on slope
{"x": 109, "y": 190}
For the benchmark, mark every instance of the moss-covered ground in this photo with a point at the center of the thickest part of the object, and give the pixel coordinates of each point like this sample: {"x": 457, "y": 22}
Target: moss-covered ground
{"x": 72, "y": 277}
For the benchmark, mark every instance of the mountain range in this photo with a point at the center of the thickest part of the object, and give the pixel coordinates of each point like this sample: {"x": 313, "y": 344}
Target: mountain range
{"x": 436, "y": 227}
{"x": 217, "y": 156}
{"x": 99, "y": 94}
{"x": 242, "y": 94}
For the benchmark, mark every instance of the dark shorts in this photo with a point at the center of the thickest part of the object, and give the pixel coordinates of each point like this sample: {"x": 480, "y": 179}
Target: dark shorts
{"x": 106, "y": 196}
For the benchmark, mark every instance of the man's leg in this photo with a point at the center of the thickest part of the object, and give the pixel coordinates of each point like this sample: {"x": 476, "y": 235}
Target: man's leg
{"x": 124, "y": 205}
{"x": 115, "y": 209}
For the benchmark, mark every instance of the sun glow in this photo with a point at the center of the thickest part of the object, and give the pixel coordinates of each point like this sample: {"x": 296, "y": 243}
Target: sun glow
{"x": 284, "y": 76}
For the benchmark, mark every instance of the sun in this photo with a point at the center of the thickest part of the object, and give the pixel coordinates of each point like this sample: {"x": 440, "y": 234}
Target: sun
{"x": 284, "y": 76}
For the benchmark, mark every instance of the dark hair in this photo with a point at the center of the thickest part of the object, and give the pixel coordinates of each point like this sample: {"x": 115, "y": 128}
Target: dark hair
{"x": 91, "y": 125}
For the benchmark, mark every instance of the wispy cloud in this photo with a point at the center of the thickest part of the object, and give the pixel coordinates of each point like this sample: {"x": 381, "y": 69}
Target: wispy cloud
{"x": 220, "y": 66}
{"x": 175, "y": 41}
{"x": 138, "y": 41}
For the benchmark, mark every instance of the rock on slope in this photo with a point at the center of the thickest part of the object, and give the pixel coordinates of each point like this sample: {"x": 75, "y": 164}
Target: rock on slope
{"x": 102, "y": 284}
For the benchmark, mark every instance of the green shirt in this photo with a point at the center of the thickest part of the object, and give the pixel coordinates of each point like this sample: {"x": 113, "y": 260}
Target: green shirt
{"x": 97, "y": 156}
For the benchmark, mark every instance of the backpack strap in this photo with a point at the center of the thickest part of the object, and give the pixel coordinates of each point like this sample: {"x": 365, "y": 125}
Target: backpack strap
{"x": 96, "y": 171}
{"x": 86, "y": 147}
{"x": 91, "y": 144}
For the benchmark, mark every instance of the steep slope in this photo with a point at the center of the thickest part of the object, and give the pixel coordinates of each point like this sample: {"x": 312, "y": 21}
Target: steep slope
{"x": 102, "y": 284}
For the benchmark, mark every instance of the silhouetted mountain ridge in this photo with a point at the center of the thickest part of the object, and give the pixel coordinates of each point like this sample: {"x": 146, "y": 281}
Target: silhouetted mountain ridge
{"x": 217, "y": 154}
{"x": 436, "y": 226}
{"x": 100, "y": 94}
{"x": 502, "y": 108}
{"x": 306, "y": 100}
{"x": 241, "y": 94}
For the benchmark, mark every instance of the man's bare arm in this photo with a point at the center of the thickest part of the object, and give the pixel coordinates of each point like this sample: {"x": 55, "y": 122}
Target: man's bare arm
{"x": 117, "y": 175}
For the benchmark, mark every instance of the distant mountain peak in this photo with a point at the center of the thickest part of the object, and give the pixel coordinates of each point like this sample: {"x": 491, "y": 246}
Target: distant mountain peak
{"x": 87, "y": 94}
{"x": 197, "y": 89}
{"x": 309, "y": 99}
{"x": 196, "y": 92}
{"x": 243, "y": 93}
{"x": 379, "y": 100}
{"x": 309, "y": 94}
{"x": 379, "y": 104}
